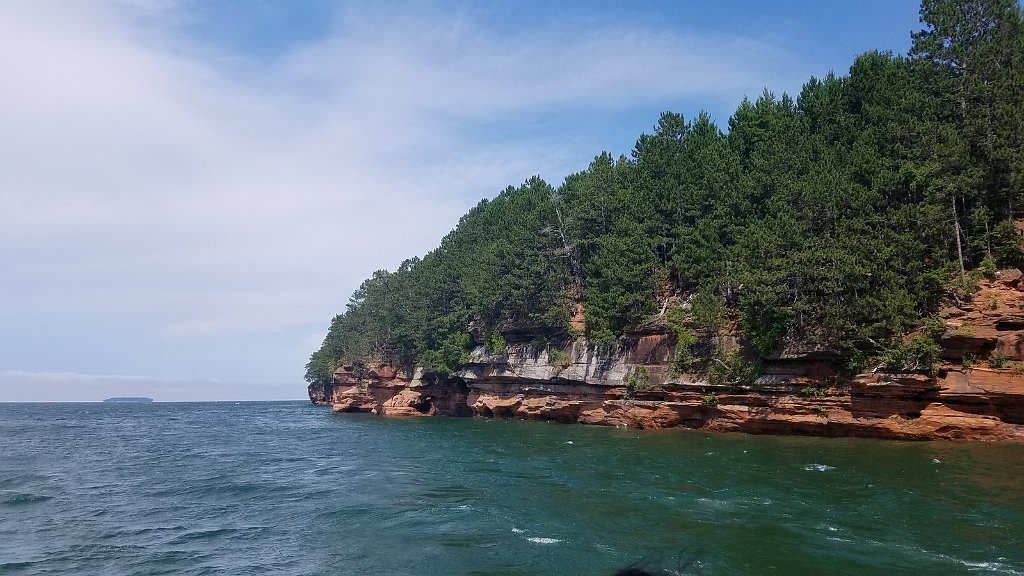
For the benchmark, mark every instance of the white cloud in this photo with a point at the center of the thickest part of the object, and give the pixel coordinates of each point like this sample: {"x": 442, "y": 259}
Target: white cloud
{"x": 70, "y": 387}
{"x": 156, "y": 196}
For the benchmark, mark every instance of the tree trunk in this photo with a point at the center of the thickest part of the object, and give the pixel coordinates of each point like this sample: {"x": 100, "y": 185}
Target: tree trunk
{"x": 570, "y": 251}
{"x": 959, "y": 246}
{"x": 988, "y": 242}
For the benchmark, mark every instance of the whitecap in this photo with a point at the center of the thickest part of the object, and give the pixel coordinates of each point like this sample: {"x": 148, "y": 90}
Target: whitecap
{"x": 819, "y": 467}
{"x": 936, "y": 461}
{"x": 570, "y": 442}
{"x": 987, "y": 566}
{"x": 517, "y": 530}
{"x": 537, "y": 540}
{"x": 712, "y": 503}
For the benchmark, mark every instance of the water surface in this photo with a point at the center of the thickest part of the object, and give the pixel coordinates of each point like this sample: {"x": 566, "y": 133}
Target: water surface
{"x": 289, "y": 488}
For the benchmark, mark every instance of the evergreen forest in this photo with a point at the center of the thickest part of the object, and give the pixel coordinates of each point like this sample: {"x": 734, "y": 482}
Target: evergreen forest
{"x": 843, "y": 217}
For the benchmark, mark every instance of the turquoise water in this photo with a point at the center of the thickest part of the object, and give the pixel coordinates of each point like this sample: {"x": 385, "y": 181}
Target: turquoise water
{"x": 289, "y": 488}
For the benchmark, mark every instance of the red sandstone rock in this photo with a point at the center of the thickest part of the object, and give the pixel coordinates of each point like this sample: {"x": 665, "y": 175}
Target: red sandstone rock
{"x": 1010, "y": 278}
{"x": 320, "y": 394}
{"x": 980, "y": 403}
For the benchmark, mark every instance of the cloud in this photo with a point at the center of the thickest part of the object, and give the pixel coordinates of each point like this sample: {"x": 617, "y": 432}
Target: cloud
{"x": 461, "y": 72}
{"x": 173, "y": 210}
{"x": 70, "y": 387}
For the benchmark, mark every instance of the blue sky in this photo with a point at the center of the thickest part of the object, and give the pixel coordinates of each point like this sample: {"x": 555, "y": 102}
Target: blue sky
{"x": 192, "y": 188}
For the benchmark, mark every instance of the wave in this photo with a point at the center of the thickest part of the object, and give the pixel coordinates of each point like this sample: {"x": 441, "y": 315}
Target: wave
{"x": 819, "y": 467}
{"x": 13, "y": 498}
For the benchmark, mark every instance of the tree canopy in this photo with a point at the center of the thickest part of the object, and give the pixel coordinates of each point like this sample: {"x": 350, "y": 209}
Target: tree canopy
{"x": 841, "y": 217}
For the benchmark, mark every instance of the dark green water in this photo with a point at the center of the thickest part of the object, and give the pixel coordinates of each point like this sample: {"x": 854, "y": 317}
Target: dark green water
{"x": 289, "y": 488}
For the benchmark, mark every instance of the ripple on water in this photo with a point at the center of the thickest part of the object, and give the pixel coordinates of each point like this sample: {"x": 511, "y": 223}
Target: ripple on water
{"x": 818, "y": 467}
{"x": 227, "y": 533}
{"x": 15, "y": 498}
{"x": 542, "y": 540}
{"x": 293, "y": 489}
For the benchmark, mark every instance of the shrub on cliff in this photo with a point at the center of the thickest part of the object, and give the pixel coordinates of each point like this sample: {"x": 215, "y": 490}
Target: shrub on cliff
{"x": 453, "y": 352}
{"x": 639, "y": 381}
{"x": 920, "y": 354}
{"x": 710, "y": 400}
{"x": 675, "y": 321}
{"x": 558, "y": 358}
{"x": 496, "y": 343}
{"x": 733, "y": 370}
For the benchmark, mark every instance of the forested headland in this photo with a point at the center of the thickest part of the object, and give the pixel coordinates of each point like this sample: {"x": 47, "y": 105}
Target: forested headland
{"x": 842, "y": 218}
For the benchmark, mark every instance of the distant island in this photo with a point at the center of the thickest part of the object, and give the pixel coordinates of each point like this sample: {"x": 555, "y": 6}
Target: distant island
{"x": 137, "y": 399}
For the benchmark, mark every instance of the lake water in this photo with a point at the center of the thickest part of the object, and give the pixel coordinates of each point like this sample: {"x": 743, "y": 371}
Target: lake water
{"x": 290, "y": 488}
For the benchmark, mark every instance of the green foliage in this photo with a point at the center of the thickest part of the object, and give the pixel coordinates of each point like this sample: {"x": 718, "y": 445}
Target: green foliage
{"x": 853, "y": 364}
{"x": 320, "y": 368}
{"x": 1006, "y": 245}
{"x": 710, "y": 400}
{"x": 988, "y": 267}
{"x": 920, "y": 354}
{"x": 496, "y": 343}
{"x": 558, "y": 358}
{"x": 811, "y": 392}
{"x": 767, "y": 317}
{"x": 639, "y": 381}
{"x": 603, "y": 338}
{"x": 683, "y": 360}
{"x": 982, "y": 272}
{"x": 840, "y": 217}
{"x": 708, "y": 312}
{"x": 997, "y": 360}
{"x": 444, "y": 361}
{"x": 967, "y": 286}
{"x": 359, "y": 369}
{"x": 675, "y": 320}
{"x": 733, "y": 370}
{"x": 933, "y": 327}
{"x": 620, "y": 290}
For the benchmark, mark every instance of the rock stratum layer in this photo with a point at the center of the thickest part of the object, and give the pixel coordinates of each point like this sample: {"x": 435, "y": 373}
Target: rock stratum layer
{"x": 967, "y": 398}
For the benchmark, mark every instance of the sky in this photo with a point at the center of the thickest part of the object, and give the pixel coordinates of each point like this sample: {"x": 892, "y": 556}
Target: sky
{"x": 191, "y": 189}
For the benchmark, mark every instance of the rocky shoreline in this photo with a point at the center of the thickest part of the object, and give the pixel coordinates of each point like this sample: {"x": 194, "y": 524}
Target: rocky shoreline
{"x": 967, "y": 398}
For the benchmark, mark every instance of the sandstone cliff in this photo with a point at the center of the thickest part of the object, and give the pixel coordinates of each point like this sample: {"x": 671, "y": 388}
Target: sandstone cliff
{"x": 977, "y": 393}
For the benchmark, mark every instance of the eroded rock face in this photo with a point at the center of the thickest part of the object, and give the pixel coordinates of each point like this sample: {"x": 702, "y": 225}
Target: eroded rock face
{"x": 796, "y": 395}
{"x": 992, "y": 321}
{"x": 320, "y": 394}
